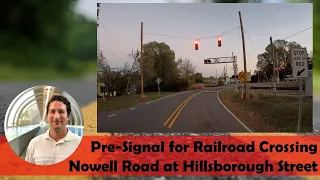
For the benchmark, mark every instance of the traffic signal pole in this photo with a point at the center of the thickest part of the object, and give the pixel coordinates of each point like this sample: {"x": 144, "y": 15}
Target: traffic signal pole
{"x": 141, "y": 62}
{"x": 244, "y": 59}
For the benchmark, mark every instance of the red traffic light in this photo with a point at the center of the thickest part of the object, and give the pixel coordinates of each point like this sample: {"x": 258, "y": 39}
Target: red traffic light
{"x": 196, "y": 43}
{"x": 219, "y": 38}
{"x": 219, "y": 41}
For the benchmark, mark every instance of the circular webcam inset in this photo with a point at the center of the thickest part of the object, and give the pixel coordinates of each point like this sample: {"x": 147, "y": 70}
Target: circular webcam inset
{"x": 44, "y": 125}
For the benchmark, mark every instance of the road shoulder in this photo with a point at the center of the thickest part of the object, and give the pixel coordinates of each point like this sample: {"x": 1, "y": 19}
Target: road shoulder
{"x": 261, "y": 113}
{"x": 249, "y": 118}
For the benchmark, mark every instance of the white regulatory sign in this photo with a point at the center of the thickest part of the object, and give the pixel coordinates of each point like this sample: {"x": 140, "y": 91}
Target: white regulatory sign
{"x": 158, "y": 80}
{"x": 299, "y": 62}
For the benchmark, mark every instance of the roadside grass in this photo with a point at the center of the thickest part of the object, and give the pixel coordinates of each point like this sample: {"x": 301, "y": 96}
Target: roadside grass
{"x": 122, "y": 102}
{"x": 262, "y": 113}
{"x": 78, "y": 69}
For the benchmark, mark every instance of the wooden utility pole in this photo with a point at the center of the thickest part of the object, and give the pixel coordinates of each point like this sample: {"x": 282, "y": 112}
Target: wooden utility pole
{"x": 216, "y": 76}
{"x": 274, "y": 69}
{"x": 141, "y": 61}
{"x": 244, "y": 59}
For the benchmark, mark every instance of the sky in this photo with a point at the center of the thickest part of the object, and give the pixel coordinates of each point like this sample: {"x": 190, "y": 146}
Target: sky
{"x": 195, "y": 20}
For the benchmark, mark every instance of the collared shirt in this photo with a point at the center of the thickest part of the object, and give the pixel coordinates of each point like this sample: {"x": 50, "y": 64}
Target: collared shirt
{"x": 43, "y": 150}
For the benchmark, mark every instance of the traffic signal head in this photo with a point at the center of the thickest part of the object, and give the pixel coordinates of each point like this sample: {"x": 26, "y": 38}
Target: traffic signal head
{"x": 196, "y": 43}
{"x": 219, "y": 41}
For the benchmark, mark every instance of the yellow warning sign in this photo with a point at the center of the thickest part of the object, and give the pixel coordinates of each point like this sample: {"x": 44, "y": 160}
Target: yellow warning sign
{"x": 241, "y": 76}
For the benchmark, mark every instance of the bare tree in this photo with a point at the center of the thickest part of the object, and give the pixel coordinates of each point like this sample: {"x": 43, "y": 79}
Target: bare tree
{"x": 133, "y": 73}
{"x": 185, "y": 67}
{"x": 111, "y": 77}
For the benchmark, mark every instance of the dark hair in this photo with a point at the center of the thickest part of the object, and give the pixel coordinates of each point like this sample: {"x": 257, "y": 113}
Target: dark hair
{"x": 62, "y": 99}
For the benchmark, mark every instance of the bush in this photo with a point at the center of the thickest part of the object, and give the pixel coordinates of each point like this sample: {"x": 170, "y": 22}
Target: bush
{"x": 198, "y": 86}
{"x": 220, "y": 83}
{"x": 169, "y": 85}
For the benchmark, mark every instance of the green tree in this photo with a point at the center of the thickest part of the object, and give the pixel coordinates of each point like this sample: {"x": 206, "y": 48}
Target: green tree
{"x": 45, "y": 34}
{"x": 282, "y": 50}
{"x": 158, "y": 61}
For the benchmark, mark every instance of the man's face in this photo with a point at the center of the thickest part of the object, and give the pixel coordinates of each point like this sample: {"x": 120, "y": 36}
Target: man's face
{"x": 57, "y": 115}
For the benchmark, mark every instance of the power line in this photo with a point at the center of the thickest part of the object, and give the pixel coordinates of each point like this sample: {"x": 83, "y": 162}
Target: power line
{"x": 169, "y": 36}
{"x": 250, "y": 42}
{"x": 110, "y": 52}
{"x": 112, "y": 38}
{"x": 221, "y": 34}
{"x": 298, "y": 32}
{"x": 191, "y": 37}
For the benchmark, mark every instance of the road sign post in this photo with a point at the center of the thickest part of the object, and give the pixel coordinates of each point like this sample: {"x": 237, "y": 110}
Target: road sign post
{"x": 158, "y": 81}
{"x": 299, "y": 70}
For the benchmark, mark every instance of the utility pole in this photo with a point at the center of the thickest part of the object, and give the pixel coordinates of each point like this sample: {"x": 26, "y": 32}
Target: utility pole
{"x": 274, "y": 71}
{"x": 141, "y": 61}
{"x": 244, "y": 59}
{"x": 216, "y": 76}
{"x": 226, "y": 70}
{"x": 277, "y": 68}
{"x": 234, "y": 72}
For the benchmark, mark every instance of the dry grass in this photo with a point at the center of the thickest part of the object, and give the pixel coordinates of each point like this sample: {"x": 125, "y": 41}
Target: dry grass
{"x": 264, "y": 114}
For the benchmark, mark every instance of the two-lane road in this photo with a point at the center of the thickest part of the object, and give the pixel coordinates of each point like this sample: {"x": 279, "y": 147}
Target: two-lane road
{"x": 198, "y": 111}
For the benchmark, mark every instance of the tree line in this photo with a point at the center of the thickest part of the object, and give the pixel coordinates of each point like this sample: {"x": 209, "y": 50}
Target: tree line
{"x": 282, "y": 54}
{"x": 159, "y": 60}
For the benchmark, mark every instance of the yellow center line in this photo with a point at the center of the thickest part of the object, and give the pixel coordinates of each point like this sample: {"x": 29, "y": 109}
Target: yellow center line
{"x": 167, "y": 121}
{"x": 178, "y": 110}
{"x": 176, "y": 116}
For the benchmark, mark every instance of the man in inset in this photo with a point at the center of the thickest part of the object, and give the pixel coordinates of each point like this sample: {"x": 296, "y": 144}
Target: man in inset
{"x": 58, "y": 143}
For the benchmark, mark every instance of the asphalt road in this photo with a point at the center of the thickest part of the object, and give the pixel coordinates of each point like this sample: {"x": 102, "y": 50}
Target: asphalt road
{"x": 82, "y": 90}
{"x": 203, "y": 113}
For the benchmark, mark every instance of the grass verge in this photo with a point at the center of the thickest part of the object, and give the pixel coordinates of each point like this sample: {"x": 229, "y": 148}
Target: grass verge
{"x": 262, "y": 113}
{"x": 78, "y": 69}
{"x": 121, "y": 102}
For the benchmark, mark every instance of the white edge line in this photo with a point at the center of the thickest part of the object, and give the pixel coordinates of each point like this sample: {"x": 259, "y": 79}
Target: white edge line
{"x": 232, "y": 113}
{"x": 133, "y": 108}
{"x": 166, "y": 97}
{"x": 112, "y": 115}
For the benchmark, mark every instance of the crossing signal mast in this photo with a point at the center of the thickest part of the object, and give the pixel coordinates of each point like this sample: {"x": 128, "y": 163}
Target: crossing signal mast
{"x": 219, "y": 41}
{"x": 196, "y": 44}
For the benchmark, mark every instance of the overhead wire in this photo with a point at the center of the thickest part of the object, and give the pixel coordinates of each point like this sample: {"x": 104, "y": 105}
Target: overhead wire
{"x": 181, "y": 37}
{"x": 250, "y": 44}
{"x": 298, "y": 33}
{"x": 168, "y": 36}
{"x": 110, "y": 52}
{"x": 112, "y": 38}
{"x": 220, "y": 34}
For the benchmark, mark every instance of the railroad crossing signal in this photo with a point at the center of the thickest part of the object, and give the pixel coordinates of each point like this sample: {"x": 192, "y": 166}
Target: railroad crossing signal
{"x": 196, "y": 43}
{"x": 219, "y": 41}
